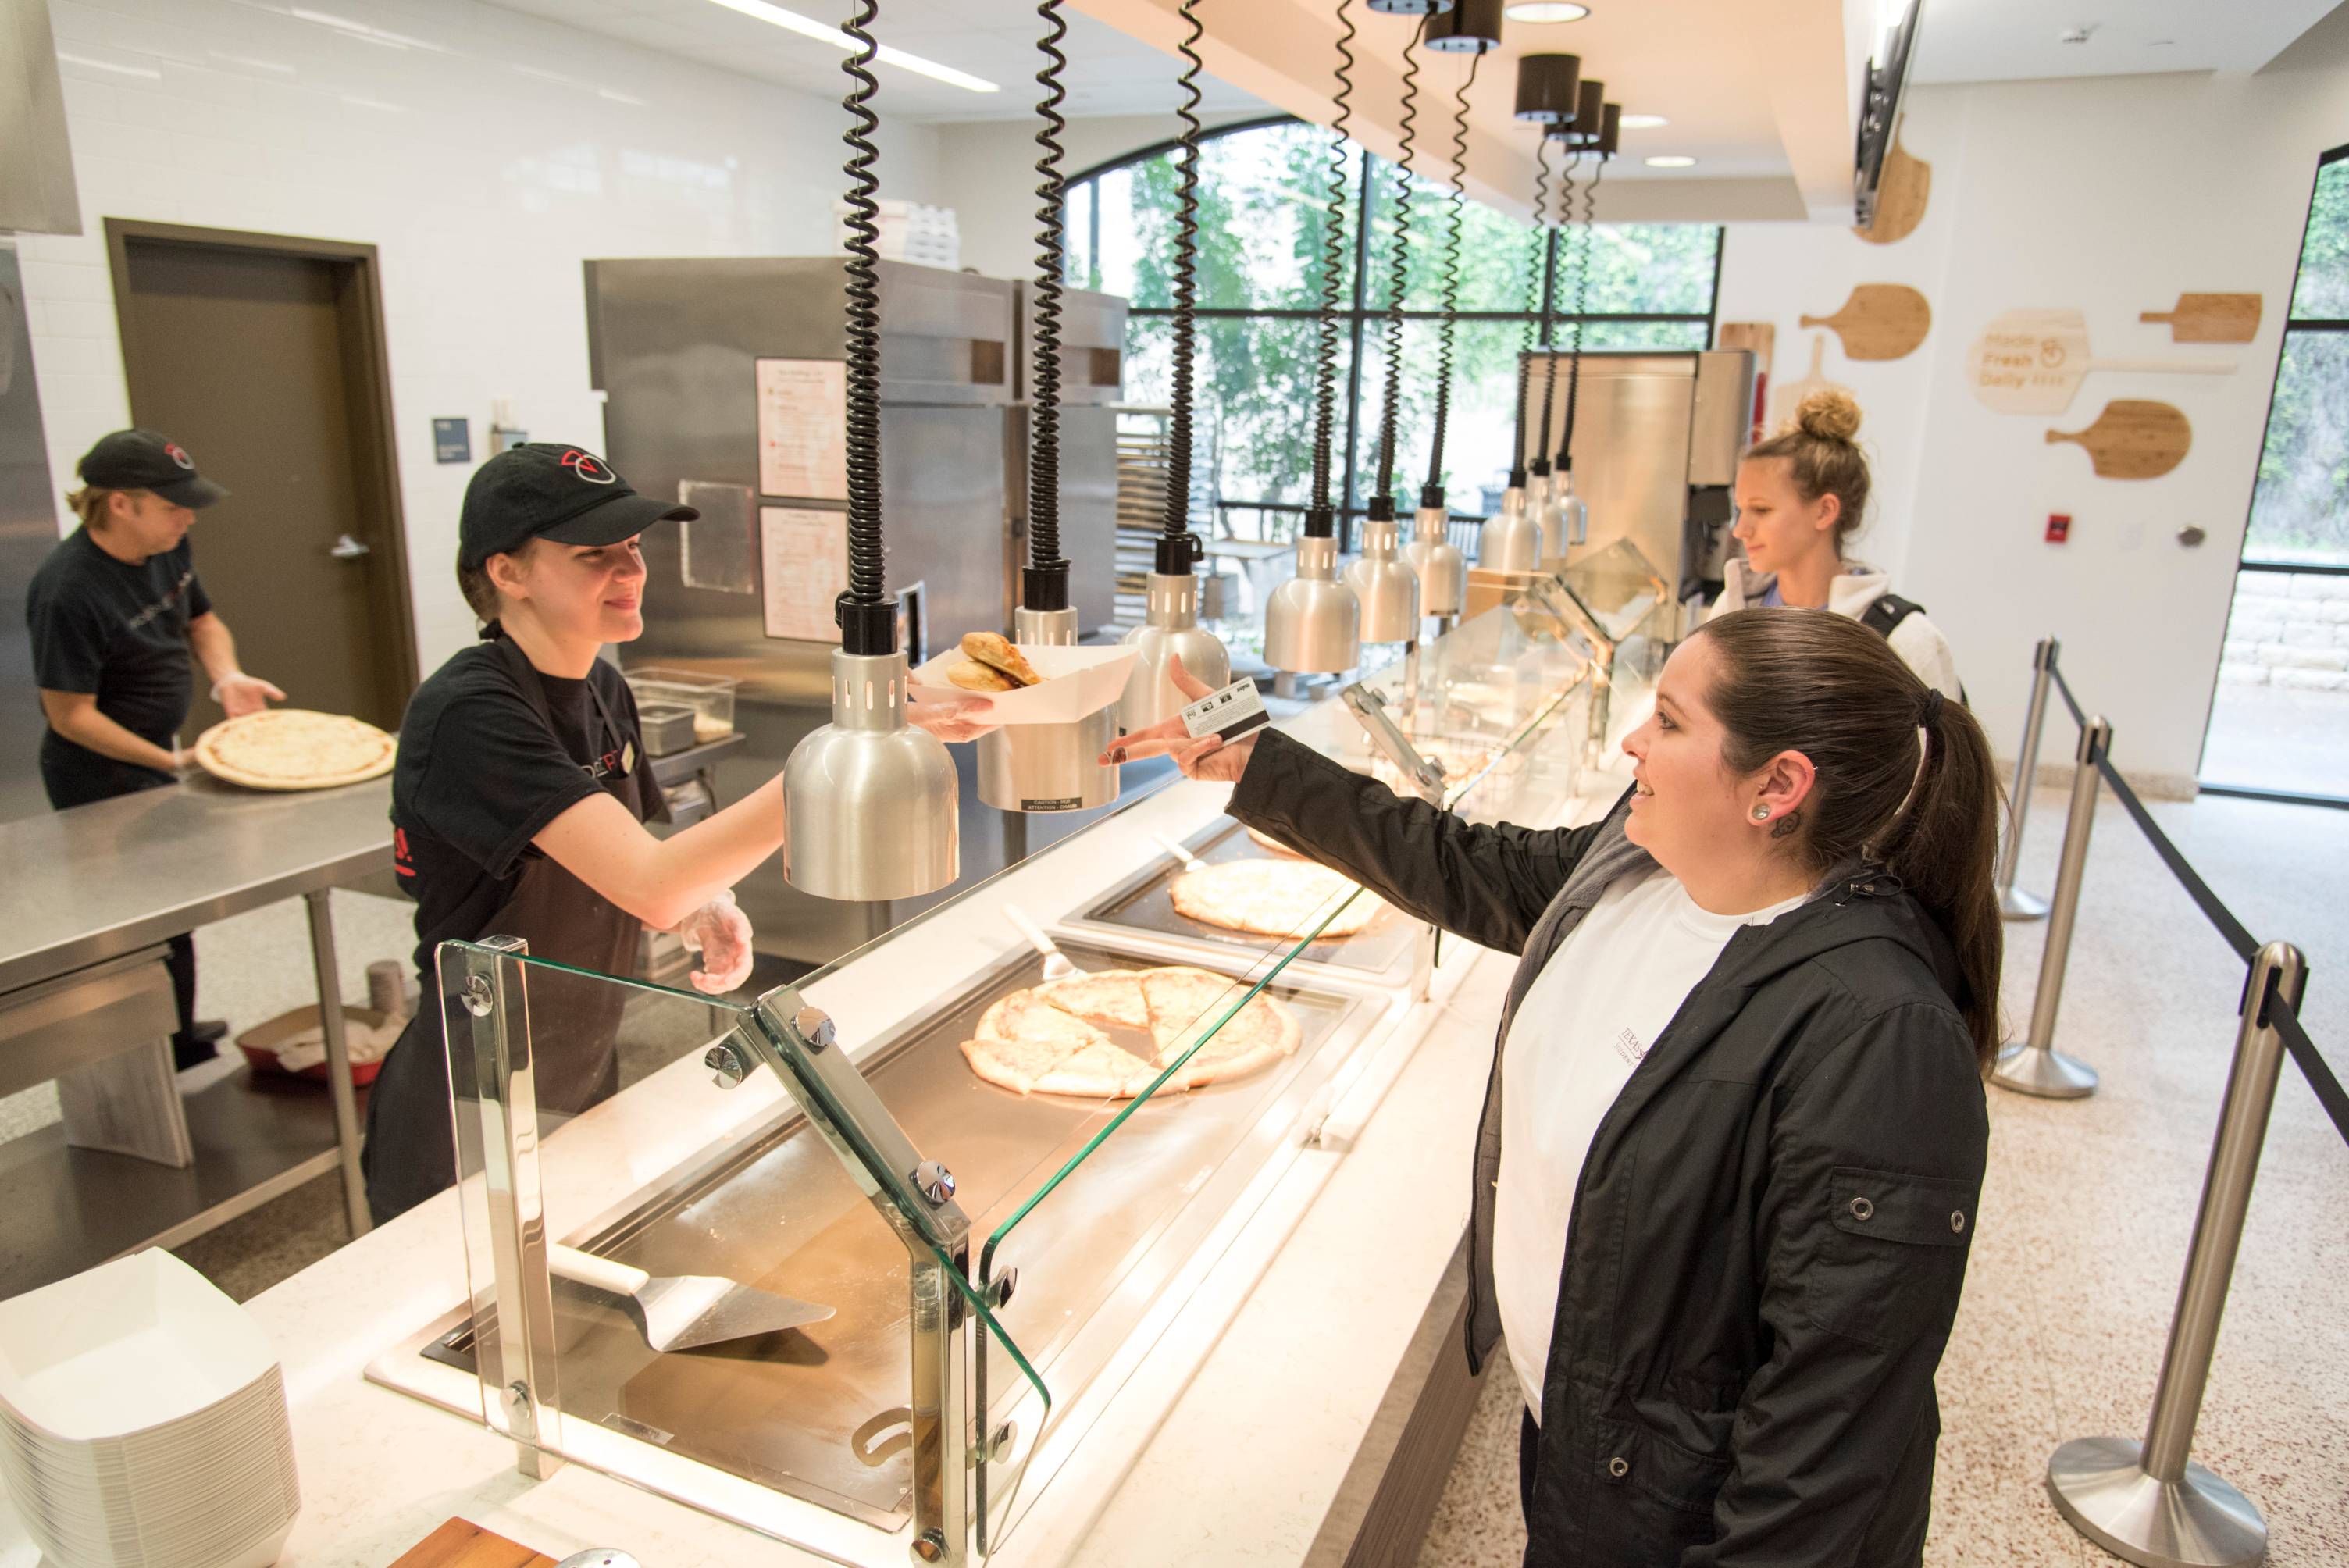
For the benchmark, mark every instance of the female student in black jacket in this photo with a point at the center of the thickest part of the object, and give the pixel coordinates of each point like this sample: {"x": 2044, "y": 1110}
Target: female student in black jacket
{"x": 1725, "y": 1177}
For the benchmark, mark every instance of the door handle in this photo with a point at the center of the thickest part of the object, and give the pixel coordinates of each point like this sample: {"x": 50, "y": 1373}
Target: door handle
{"x": 347, "y": 548}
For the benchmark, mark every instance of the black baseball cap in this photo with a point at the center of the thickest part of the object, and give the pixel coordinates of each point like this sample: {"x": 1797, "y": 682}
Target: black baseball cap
{"x": 142, "y": 459}
{"x": 543, "y": 490}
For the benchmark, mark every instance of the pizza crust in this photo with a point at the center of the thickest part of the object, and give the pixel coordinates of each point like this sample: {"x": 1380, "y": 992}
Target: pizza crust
{"x": 1037, "y": 1041}
{"x": 1284, "y": 898}
{"x": 294, "y": 748}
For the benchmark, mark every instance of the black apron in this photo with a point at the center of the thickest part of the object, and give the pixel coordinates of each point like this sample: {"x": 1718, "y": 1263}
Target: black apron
{"x": 573, "y": 1023}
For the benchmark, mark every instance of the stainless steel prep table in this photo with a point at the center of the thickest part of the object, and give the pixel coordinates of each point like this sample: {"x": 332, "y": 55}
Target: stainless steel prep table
{"x": 108, "y": 879}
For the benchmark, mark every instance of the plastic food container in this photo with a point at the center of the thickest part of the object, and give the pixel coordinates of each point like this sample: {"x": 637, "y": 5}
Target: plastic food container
{"x": 668, "y": 728}
{"x": 711, "y": 699}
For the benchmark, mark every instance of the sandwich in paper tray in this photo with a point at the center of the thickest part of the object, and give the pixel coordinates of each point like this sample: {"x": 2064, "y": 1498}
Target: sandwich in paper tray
{"x": 1027, "y": 683}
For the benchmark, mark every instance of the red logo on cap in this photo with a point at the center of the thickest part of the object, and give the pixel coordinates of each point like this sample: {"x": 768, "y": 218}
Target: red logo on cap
{"x": 171, "y": 450}
{"x": 590, "y": 467}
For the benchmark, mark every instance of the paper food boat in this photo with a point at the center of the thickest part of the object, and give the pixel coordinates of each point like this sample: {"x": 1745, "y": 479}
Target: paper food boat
{"x": 1077, "y": 682}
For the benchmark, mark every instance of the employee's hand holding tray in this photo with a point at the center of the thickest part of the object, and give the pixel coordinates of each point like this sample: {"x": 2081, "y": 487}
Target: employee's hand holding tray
{"x": 1025, "y": 683}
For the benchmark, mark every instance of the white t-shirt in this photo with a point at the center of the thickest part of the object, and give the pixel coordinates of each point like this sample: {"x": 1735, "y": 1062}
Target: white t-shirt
{"x": 1587, "y": 1020}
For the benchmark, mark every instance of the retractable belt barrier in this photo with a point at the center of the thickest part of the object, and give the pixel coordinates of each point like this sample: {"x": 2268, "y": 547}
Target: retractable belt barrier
{"x": 2148, "y": 1502}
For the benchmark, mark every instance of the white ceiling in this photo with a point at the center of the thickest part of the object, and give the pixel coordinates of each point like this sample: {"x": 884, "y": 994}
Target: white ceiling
{"x": 2017, "y": 40}
{"x": 1108, "y": 72}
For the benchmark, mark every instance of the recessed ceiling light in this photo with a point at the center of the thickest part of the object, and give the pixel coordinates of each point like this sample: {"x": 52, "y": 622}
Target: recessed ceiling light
{"x": 823, "y": 33}
{"x": 1672, "y": 161}
{"x": 1642, "y": 121}
{"x": 1540, "y": 11}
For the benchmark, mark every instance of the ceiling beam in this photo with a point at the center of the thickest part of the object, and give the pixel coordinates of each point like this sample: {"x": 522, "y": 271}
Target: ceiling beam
{"x": 1288, "y": 56}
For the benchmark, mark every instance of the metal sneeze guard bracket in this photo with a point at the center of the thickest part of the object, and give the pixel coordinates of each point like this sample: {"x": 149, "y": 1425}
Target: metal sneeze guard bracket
{"x": 1371, "y": 707}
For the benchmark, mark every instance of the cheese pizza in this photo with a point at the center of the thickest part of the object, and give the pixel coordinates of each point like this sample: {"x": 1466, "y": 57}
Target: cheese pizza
{"x": 1110, "y": 1036}
{"x": 1283, "y": 897}
{"x": 294, "y": 748}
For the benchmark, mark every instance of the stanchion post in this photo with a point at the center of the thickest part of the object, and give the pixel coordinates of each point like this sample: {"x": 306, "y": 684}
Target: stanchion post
{"x": 2013, "y": 904}
{"x": 2035, "y": 1067}
{"x": 2148, "y": 1502}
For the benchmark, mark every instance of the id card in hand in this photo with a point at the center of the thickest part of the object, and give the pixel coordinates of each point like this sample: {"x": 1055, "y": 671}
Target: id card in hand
{"x": 1229, "y": 713}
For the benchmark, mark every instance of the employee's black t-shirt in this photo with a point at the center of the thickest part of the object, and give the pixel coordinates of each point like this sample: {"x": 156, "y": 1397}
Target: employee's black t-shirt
{"x": 119, "y": 632}
{"x": 479, "y": 775}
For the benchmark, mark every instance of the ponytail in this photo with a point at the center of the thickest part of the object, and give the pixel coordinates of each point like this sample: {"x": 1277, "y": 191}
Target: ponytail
{"x": 1944, "y": 850}
{"x": 1904, "y": 779}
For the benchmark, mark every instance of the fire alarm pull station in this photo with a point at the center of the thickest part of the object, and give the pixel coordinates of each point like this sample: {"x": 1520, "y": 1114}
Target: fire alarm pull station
{"x": 2059, "y": 527}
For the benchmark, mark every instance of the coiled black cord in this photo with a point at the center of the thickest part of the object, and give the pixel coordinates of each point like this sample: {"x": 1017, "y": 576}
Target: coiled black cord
{"x": 1333, "y": 261}
{"x": 1549, "y": 302}
{"x": 1581, "y": 290}
{"x": 1402, "y": 269}
{"x": 1535, "y": 294}
{"x": 1451, "y": 272}
{"x": 1186, "y": 292}
{"x": 864, "y": 335}
{"x": 1044, "y": 456}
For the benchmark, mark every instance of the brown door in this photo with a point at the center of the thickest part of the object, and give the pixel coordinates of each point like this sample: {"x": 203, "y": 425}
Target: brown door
{"x": 263, "y": 361}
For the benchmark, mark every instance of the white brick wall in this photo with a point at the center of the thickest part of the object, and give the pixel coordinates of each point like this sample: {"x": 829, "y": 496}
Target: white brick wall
{"x": 485, "y": 158}
{"x": 2288, "y": 629}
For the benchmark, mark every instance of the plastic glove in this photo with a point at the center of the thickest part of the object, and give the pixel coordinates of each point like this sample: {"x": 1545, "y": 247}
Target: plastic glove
{"x": 720, "y": 932}
{"x": 240, "y": 694}
{"x": 951, "y": 721}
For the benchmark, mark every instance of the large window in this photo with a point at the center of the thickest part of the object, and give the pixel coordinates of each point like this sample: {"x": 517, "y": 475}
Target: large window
{"x": 1263, "y": 218}
{"x": 2280, "y": 722}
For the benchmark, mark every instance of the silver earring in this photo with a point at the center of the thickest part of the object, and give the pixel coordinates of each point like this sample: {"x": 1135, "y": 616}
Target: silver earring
{"x": 1761, "y": 813}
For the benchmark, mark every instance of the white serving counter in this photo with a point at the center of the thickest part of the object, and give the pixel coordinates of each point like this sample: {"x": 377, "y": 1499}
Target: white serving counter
{"x": 1241, "y": 1414}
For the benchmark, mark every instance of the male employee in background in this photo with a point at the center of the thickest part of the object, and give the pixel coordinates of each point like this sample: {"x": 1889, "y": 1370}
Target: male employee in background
{"x": 114, "y": 613}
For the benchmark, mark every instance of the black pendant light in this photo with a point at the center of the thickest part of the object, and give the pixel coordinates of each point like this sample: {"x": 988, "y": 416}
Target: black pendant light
{"x": 868, "y": 801}
{"x": 1469, "y": 28}
{"x": 1473, "y": 28}
{"x": 1312, "y": 624}
{"x": 1546, "y": 85}
{"x": 1381, "y": 579}
{"x": 1572, "y": 513}
{"x": 1511, "y": 541}
{"x": 1047, "y": 767}
{"x": 1171, "y": 629}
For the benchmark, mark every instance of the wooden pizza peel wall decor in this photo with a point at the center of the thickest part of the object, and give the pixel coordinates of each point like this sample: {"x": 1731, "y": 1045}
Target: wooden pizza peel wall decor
{"x": 1879, "y": 321}
{"x": 2133, "y": 439}
{"x": 1759, "y": 338}
{"x": 2211, "y": 317}
{"x": 1900, "y": 196}
{"x": 1789, "y": 396}
{"x": 2032, "y": 362}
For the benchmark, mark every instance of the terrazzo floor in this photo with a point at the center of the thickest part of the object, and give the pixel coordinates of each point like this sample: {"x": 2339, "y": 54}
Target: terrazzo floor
{"x": 2083, "y": 1224}
{"x": 2089, "y": 1206}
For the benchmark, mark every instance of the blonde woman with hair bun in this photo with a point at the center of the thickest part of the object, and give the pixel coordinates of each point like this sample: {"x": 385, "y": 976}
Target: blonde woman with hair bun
{"x": 1801, "y": 495}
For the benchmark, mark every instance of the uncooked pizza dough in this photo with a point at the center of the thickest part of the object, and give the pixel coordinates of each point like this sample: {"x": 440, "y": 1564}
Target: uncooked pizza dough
{"x": 294, "y": 748}
{"x": 1272, "y": 898}
{"x": 1085, "y": 1035}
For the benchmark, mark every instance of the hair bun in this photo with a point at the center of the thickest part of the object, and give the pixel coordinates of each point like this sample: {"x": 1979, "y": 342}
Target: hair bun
{"x": 1828, "y": 414}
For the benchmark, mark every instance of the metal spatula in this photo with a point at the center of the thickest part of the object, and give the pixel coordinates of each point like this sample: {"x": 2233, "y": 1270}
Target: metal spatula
{"x": 689, "y": 1311}
{"x": 1191, "y": 862}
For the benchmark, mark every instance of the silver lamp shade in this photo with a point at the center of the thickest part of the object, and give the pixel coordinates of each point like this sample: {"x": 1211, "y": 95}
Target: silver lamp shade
{"x": 1384, "y": 583}
{"x": 1442, "y": 570}
{"x": 1512, "y": 541}
{"x": 1170, "y": 631}
{"x": 1313, "y": 624}
{"x": 868, "y": 800}
{"x": 1047, "y": 767}
{"x": 1572, "y": 518}
{"x": 1548, "y": 517}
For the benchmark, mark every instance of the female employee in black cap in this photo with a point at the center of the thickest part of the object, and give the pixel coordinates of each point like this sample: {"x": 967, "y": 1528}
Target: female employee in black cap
{"x": 114, "y": 613}
{"x": 519, "y": 801}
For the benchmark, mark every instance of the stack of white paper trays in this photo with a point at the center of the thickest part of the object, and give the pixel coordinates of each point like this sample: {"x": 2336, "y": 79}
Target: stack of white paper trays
{"x": 142, "y": 1423}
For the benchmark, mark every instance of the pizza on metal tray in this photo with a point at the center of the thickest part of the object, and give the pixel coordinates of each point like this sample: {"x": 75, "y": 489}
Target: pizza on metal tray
{"x": 294, "y": 748}
{"x": 1057, "y": 1038}
{"x": 1284, "y": 898}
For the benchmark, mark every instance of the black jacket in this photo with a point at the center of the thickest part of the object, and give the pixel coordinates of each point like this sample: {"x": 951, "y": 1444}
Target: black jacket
{"x": 1771, "y": 1229}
